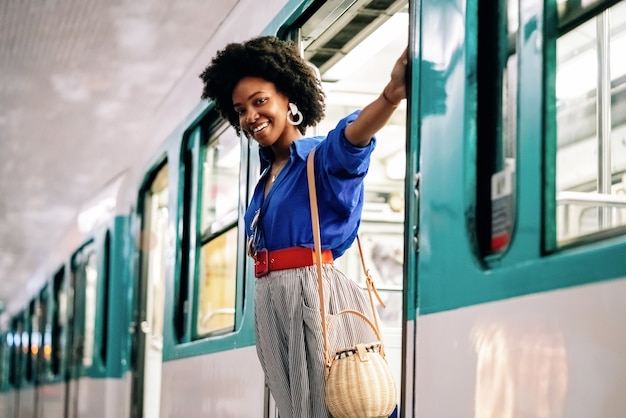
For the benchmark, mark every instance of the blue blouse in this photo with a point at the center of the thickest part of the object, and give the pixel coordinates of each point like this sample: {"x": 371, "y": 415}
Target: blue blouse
{"x": 283, "y": 217}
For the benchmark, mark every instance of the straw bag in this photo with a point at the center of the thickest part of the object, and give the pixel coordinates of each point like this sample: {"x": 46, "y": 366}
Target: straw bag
{"x": 359, "y": 383}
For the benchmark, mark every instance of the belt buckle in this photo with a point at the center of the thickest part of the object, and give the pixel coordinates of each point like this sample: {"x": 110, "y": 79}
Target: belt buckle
{"x": 261, "y": 264}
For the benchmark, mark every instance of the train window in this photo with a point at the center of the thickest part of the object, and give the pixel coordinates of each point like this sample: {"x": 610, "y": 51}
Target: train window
{"x": 155, "y": 242}
{"x": 90, "y": 277}
{"x": 496, "y": 129}
{"x": 59, "y": 314}
{"x": 84, "y": 282}
{"x": 33, "y": 339}
{"x": 181, "y": 298}
{"x": 22, "y": 348}
{"x": 104, "y": 288}
{"x": 354, "y": 46}
{"x": 590, "y": 92}
{"x": 26, "y": 362}
{"x": 216, "y": 298}
{"x": 217, "y": 273}
{"x": 220, "y": 181}
{"x": 11, "y": 343}
{"x": 44, "y": 332}
{"x": 16, "y": 356}
{"x": 24, "y": 325}
{"x": 4, "y": 360}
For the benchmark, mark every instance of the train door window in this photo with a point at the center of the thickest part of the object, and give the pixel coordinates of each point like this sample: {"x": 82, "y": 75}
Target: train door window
{"x": 24, "y": 324}
{"x": 74, "y": 337}
{"x": 590, "y": 96}
{"x": 3, "y": 363}
{"x": 91, "y": 287}
{"x": 155, "y": 241}
{"x": 33, "y": 348}
{"x": 355, "y": 46}
{"x": 104, "y": 289}
{"x": 21, "y": 348}
{"x": 44, "y": 332}
{"x": 4, "y": 360}
{"x": 217, "y": 270}
{"x": 59, "y": 315}
{"x": 85, "y": 279}
{"x": 496, "y": 128}
{"x": 16, "y": 352}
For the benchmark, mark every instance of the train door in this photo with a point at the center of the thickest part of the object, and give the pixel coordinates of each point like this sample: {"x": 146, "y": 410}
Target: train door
{"x": 81, "y": 311}
{"x": 70, "y": 371}
{"x": 148, "y": 349}
{"x": 522, "y": 271}
{"x": 43, "y": 351}
{"x": 355, "y": 46}
{"x": 28, "y": 400}
{"x": 52, "y": 389}
{"x": 5, "y": 389}
{"x": 16, "y": 371}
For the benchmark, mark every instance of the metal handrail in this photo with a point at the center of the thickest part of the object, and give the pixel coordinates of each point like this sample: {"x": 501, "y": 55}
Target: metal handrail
{"x": 590, "y": 199}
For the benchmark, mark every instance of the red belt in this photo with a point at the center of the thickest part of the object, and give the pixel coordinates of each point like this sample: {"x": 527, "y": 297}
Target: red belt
{"x": 287, "y": 258}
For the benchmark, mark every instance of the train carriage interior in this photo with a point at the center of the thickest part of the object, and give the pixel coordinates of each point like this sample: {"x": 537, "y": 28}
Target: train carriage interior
{"x": 591, "y": 126}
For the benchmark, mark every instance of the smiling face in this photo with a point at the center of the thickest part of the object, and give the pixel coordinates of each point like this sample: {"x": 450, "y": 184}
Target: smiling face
{"x": 262, "y": 111}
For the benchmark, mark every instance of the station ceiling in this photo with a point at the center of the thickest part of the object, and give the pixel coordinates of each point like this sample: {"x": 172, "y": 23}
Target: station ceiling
{"x": 88, "y": 88}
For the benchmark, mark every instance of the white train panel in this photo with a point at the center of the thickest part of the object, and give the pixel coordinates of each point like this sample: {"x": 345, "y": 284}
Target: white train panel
{"x": 51, "y": 401}
{"x": 105, "y": 398}
{"x": 6, "y": 405}
{"x": 226, "y": 384}
{"x": 548, "y": 355}
{"x": 26, "y": 402}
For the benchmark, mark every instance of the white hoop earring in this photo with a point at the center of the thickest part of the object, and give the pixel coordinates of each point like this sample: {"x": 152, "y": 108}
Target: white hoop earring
{"x": 294, "y": 116}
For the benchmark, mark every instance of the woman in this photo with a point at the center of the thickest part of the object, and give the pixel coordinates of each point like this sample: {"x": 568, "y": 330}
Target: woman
{"x": 266, "y": 90}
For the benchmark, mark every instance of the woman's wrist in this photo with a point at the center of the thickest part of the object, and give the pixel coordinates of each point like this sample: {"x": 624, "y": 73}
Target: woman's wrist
{"x": 388, "y": 99}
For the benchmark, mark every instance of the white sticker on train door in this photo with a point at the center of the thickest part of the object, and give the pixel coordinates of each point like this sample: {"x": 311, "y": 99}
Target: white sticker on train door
{"x": 502, "y": 206}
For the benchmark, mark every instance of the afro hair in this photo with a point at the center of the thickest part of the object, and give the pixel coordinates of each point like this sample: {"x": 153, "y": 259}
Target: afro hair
{"x": 273, "y": 60}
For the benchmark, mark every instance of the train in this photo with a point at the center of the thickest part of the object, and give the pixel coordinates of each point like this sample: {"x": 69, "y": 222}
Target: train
{"x": 494, "y": 226}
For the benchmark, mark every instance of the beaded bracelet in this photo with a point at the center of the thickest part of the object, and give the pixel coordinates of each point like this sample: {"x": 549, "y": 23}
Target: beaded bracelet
{"x": 389, "y": 101}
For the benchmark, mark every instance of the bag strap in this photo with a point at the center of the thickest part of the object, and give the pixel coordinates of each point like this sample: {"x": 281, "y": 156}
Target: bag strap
{"x": 318, "y": 261}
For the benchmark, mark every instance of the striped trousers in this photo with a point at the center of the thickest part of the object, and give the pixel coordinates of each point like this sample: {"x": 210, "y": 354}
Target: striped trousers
{"x": 289, "y": 334}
